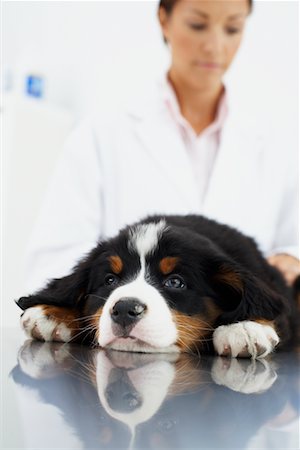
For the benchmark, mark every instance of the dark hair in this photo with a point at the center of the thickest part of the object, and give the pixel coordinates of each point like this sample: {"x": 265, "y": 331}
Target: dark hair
{"x": 168, "y": 5}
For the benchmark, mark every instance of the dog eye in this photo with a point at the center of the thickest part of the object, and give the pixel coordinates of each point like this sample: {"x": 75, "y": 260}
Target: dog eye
{"x": 175, "y": 282}
{"x": 111, "y": 280}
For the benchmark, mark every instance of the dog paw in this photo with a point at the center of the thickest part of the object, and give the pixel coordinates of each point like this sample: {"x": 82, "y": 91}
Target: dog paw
{"x": 245, "y": 339}
{"x": 243, "y": 375}
{"x": 40, "y": 323}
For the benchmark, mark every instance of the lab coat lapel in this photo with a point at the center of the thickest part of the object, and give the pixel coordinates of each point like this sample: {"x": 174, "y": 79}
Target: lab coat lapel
{"x": 165, "y": 145}
{"x": 231, "y": 183}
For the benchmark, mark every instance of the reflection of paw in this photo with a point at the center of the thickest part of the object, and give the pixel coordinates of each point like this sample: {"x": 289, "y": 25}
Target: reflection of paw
{"x": 242, "y": 375}
{"x": 245, "y": 339}
{"x": 43, "y": 359}
{"x": 39, "y": 323}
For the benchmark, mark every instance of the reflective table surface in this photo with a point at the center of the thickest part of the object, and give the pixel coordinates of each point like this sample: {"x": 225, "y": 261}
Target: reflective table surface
{"x": 73, "y": 397}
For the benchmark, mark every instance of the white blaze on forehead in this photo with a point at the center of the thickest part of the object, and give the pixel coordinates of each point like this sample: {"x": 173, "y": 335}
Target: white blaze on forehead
{"x": 144, "y": 238}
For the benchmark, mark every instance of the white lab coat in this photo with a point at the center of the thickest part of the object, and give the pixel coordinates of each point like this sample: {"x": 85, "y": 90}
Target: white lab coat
{"x": 114, "y": 171}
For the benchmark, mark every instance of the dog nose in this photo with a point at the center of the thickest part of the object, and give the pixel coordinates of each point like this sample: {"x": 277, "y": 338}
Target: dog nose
{"x": 127, "y": 311}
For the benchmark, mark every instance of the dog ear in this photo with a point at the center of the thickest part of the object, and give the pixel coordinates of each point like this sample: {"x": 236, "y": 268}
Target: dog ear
{"x": 67, "y": 291}
{"x": 244, "y": 296}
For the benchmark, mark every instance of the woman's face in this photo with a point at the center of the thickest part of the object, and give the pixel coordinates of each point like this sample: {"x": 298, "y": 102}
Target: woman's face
{"x": 204, "y": 37}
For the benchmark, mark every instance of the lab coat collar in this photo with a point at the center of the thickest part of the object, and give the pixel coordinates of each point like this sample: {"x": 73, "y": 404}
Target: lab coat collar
{"x": 238, "y": 148}
{"x": 151, "y": 100}
{"x": 169, "y": 97}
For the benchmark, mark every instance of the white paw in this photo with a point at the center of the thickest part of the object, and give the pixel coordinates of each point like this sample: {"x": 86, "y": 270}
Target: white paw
{"x": 245, "y": 339}
{"x": 37, "y": 324}
{"x": 243, "y": 375}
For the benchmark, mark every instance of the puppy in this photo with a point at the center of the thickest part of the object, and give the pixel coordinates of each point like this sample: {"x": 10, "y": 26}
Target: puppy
{"x": 168, "y": 284}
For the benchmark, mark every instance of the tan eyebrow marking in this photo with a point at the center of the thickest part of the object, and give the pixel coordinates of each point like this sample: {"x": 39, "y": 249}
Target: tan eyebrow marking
{"x": 168, "y": 264}
{"x": 116, "y": 264}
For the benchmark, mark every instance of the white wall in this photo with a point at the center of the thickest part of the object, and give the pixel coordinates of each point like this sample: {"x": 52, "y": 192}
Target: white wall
{"x": 98, "y": 54}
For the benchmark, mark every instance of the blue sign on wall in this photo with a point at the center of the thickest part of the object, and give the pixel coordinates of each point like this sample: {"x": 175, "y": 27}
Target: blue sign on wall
{"x": 35, "y": 86}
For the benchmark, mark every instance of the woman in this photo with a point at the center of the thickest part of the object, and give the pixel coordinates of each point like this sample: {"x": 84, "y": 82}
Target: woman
{"x": 183, "y": 149}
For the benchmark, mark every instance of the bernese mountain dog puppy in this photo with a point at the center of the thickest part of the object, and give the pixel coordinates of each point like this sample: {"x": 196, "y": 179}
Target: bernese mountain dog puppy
{"x": 169, "y": 284}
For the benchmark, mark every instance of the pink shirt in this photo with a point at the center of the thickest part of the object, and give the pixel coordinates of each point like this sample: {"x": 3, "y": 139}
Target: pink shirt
{"x": 202, "y": 149}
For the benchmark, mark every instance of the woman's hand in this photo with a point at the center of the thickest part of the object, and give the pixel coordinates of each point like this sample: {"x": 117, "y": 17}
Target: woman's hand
{"x": 288, "y": 265}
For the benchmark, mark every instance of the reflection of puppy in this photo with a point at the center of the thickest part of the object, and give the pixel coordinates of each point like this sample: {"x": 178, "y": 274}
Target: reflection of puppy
{"x": 168, "y": 284}
{"x": 133, "y": 395}
{"x": 44, "y": 360}
{"x": 113, "y": 398}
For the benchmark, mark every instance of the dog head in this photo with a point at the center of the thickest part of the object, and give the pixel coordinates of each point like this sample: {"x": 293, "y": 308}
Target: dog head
{"x": 158, "y": 287}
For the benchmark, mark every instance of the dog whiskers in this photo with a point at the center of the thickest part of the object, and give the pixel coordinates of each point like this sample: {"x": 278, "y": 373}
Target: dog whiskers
{"x": 83, "y": 318}
{"x": 88, "y": 329}
{"x": 185, "y": 346}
